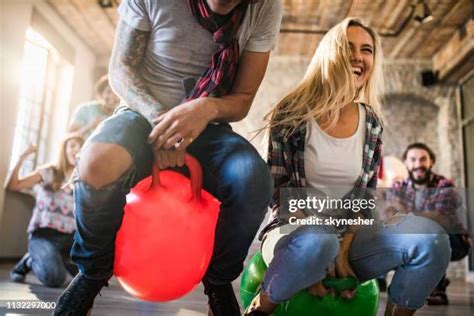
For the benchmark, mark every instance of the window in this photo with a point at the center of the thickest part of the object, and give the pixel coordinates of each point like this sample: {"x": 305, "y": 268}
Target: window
{"x": 46, "y": 81}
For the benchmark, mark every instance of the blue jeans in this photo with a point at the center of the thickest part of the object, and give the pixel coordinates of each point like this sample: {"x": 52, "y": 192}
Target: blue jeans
{"x": 49, "y": 256}
{"x": 304, "y": 256}
{"x": 233, "y": 172}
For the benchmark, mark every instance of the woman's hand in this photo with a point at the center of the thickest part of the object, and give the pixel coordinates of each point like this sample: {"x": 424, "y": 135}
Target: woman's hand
{"x": 343, "y": 270}
{"x": 318, "y": 289}
{"x": 31, "y": 149}
{"x": 14, "y": 183}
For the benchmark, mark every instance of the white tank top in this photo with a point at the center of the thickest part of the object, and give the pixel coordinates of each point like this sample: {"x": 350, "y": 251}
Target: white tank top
{"x": 331, "y": 164}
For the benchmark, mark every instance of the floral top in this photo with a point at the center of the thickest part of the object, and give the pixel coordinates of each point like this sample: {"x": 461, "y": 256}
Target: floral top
{"x": 53, "y": 210}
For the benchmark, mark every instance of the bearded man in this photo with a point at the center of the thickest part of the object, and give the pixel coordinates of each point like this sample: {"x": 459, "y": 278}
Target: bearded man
{"x": 425, "y": 193}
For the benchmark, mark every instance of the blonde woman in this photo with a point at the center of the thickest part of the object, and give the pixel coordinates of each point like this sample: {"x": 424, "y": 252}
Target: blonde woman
{"x": 326, "y": 134}
{"x": 52, "y": 224}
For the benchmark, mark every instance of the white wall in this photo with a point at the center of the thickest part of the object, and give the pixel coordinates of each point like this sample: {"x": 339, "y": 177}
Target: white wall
{"x": 15, "y": 18}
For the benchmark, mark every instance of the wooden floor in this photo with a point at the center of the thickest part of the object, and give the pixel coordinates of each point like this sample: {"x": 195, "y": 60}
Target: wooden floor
{"x": 115, "y": 301}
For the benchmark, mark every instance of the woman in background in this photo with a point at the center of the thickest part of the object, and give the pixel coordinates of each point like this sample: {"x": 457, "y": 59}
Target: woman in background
{"x": 52, "y": 224}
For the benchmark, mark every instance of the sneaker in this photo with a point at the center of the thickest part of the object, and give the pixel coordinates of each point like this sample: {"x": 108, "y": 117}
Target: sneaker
{"x": 439, "y": 296}
{"x": 18, "y": 274}
{"x": 78, "y": 298}
{"x": 443, "y": 285}
{"x": 222, "y": 301}
{"x": 257, "y": 300}
{"x": 257, "y": 313}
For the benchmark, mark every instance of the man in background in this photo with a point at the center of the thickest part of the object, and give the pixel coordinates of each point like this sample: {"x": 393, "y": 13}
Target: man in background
{"x": 90, "y": 114}
{"x": 425, "y": 193}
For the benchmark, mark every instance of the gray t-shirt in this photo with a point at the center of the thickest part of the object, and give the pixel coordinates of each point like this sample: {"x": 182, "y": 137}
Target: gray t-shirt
{"x": 180, "y": 48}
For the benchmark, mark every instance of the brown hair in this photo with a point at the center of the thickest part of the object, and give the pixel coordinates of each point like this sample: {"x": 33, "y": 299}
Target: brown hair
{"x": 422, "y": 146}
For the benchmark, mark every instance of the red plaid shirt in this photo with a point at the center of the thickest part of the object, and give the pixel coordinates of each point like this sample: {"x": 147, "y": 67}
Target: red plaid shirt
{"x": 439, "y": 196}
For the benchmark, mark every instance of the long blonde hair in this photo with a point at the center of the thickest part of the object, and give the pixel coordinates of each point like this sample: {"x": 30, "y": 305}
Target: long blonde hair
{"x": 328, "y": 84}
{"x": 63, "y": 166}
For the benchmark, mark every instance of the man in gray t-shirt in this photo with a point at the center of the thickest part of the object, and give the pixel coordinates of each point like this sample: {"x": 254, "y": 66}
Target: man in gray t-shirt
{"x": 183, "y": 69}
{"x": 174, "y": 53}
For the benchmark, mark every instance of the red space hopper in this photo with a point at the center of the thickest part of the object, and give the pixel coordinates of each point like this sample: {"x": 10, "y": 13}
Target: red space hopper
{"x": 166, "y": 240}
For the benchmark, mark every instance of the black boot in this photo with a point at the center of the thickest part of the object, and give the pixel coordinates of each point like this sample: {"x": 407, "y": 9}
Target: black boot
{"x": 20, "y": 270}
{"x": 78, "y": 298}
{"x": 382, "y": 284}
{"x": 222, "y": 301}
{"x": 439, "y": 295}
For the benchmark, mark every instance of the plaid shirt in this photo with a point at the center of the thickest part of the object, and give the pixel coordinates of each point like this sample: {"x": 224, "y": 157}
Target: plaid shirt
{"x": 286, "y": 160}
{"x": 440, "y": 196}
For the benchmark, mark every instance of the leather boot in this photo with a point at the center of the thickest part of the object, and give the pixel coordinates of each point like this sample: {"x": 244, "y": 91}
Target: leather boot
{"x": 395, "y": 310}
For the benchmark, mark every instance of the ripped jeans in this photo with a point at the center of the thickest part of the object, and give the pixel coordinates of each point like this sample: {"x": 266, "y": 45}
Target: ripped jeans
{"x": 233, "y": 172}
{"x": 415, "y": 247}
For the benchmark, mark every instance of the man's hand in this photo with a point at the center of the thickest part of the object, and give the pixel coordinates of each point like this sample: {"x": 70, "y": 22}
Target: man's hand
{"x": 166, "y": 158}
{"x": 182, "y": 124}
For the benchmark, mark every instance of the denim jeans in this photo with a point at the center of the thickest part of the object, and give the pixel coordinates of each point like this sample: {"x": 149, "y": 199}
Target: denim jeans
{"x": 233, "y": 172}
{"x": 49, "y": 256}
{"x": 304, "y": 256}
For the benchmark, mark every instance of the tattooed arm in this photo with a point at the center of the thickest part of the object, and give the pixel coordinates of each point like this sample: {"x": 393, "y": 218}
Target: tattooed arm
{"x": 129, "y": 47}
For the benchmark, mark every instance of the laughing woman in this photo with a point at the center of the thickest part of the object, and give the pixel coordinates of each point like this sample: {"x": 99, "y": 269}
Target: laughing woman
{"x": 327, "y": 134}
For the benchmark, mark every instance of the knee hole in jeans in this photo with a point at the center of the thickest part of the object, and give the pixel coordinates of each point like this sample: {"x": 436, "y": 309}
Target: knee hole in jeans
{"x": 103, "y": 164}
